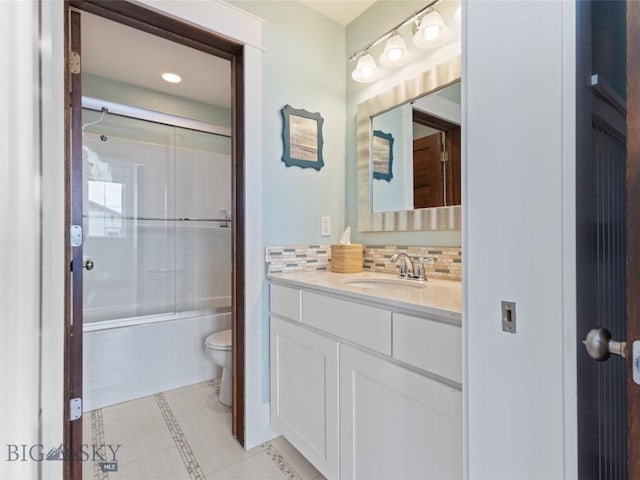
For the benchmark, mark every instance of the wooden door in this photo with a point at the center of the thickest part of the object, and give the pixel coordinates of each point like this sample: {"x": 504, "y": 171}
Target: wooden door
{"x": 608, "y": 233}
{"x": 427, "y": 172}
{"x": 633, "y": 234}
{"x": 453, "y": 166}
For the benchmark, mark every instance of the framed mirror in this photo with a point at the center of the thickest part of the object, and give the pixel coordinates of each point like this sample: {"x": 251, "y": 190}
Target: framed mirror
{"x": 421, "y": 190}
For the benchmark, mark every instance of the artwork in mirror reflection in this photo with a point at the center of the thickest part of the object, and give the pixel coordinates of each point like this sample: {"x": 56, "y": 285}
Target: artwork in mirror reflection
{"x": 382, "y": 155}
{"x": 426, "y": 170}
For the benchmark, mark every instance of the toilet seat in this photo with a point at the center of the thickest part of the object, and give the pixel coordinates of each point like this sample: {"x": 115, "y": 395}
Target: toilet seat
{"x": 219, "y": 340}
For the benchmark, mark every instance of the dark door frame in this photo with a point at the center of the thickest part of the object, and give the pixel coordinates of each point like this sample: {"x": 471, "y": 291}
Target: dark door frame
{"x": 633, "y": 231}
{"x": 141, "y": 18}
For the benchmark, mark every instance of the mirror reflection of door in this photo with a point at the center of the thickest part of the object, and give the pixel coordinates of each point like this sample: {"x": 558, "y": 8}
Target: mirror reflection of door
{"x": 436, "y": 161}
{"x": 428, "y": 174}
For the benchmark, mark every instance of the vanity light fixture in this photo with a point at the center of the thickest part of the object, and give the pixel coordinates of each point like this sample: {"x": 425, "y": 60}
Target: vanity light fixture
{"x": 395, "y": 52}
{"x": 430, "y": 31}
{"x": 366, "y": 70}
{"x": 171, "y": 77}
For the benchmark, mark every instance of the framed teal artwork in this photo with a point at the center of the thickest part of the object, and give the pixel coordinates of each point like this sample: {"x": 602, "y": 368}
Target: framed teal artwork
{"x": 302, "y": 138}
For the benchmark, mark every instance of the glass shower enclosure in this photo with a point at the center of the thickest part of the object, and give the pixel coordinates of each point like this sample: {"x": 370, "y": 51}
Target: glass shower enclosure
{"x": 157, "y": 226}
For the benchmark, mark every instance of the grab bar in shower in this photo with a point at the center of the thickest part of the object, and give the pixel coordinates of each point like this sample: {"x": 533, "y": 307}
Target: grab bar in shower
{"x": 181, "y": 219}
{"x": 225, "y": 221}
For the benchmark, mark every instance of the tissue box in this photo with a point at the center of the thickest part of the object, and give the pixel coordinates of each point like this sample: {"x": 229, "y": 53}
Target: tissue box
{"x": 347, "y": 258}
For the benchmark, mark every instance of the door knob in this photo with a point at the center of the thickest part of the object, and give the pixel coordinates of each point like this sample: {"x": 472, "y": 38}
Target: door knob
{"x": 600, "y": 346}
{"x": 88, "y": 263}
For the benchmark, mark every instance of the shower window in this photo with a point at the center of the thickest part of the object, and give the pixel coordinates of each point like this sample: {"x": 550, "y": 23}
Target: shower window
{"x": 105, "y": 209}
{"x": 153, "y": 198}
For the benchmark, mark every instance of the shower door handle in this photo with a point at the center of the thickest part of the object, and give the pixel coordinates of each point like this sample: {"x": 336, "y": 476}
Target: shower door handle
{"x": 88, "y": 263}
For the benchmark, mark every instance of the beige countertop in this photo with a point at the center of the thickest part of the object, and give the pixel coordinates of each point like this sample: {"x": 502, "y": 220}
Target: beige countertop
{"x": 439, "y": 299}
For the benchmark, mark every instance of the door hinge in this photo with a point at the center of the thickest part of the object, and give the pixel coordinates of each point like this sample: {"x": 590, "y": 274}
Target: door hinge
{"x": 75, "y": 408}
{"x": 74, "y": 62}
{"x": 75, "y": 235}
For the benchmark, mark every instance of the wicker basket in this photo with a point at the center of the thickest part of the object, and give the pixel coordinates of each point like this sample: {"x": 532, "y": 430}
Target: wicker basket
{"x": 347, "y": 258}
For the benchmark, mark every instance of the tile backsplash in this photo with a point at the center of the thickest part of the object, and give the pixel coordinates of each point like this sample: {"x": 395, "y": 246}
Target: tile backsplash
{"x": 447, "y": 261}
{"x": 297, "y": 258}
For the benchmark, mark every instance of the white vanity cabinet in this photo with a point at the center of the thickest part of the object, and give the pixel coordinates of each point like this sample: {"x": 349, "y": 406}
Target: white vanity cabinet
{"x": 396, "y": 423}
{"x": 364, "y": 389}
{"x": 304, "y": 391}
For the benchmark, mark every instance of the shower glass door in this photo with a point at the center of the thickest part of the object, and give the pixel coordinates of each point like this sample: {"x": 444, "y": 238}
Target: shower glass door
{"x": 155, "y": 197}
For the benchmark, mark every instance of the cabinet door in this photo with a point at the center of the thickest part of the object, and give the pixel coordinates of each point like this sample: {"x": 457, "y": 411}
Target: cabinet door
{"x": 304, "y": 392}
{"x": 395, "y": 423}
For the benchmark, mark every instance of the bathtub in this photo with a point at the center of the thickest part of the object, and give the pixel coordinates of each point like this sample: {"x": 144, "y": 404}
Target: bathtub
{"x": 133, "y": 357}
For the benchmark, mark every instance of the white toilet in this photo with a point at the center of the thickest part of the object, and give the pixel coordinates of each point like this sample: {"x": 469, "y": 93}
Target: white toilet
{"x": 218, "y": 347}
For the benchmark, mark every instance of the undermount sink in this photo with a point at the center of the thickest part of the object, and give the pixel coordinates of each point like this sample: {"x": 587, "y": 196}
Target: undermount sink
{"x": 384, "y": 283}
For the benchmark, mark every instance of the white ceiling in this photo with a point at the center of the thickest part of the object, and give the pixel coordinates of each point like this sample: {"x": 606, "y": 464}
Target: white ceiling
{"x": 121, "y": 53}
{"x": 343, "y": 12}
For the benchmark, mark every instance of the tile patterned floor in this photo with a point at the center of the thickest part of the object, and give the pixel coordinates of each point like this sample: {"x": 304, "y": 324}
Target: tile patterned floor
{"x": 184, "y": 434}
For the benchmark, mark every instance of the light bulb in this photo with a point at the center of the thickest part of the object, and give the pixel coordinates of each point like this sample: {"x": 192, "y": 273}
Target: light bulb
{"x": 458, "y": 15}
{"x": 394, "y": 54}
{"x": 366, "y": 70}
{"x": 431, "y": 32}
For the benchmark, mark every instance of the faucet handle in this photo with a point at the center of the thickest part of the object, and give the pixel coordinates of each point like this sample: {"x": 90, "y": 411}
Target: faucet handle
{"x": 403, "y": 269}
{"x": 421, "y": 272}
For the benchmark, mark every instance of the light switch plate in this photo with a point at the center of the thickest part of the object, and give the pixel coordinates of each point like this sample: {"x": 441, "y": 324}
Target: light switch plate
{"x": 326, "y": 227}
{"x": 509, "y": 317}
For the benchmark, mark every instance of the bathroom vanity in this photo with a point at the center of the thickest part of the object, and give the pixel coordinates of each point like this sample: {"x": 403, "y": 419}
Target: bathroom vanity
{"x": 366, "y": 373}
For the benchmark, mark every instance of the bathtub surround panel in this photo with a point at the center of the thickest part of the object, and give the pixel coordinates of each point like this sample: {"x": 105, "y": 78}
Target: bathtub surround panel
{"x": 446, "y": 264}
{"x": 130, "y": 362}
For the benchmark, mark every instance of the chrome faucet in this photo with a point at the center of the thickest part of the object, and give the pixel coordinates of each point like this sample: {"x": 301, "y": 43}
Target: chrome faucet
{"x": 406, "y": 267}
{"x": 411, "y": 268}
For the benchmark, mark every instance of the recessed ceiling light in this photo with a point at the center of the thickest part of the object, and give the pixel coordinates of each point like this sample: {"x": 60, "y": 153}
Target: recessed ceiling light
{"x": 171, "y": 77}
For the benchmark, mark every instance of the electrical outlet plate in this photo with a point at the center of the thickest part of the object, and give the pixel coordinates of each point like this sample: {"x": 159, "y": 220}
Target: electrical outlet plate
{"x": 509, "y": 317}
{"x": 326, "y": 226}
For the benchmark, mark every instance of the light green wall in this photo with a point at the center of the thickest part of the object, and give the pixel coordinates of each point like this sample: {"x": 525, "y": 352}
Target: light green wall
{"x": 379, "y": 18}
{"x": 303, "y": 66}
{"x": 127, "y": 94}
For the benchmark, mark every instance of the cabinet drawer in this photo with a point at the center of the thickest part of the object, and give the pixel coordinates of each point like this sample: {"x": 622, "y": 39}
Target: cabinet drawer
{"x": 432, "y": 346}
{"x": 361, "y": 324}
{"x": 285, "y": 301}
